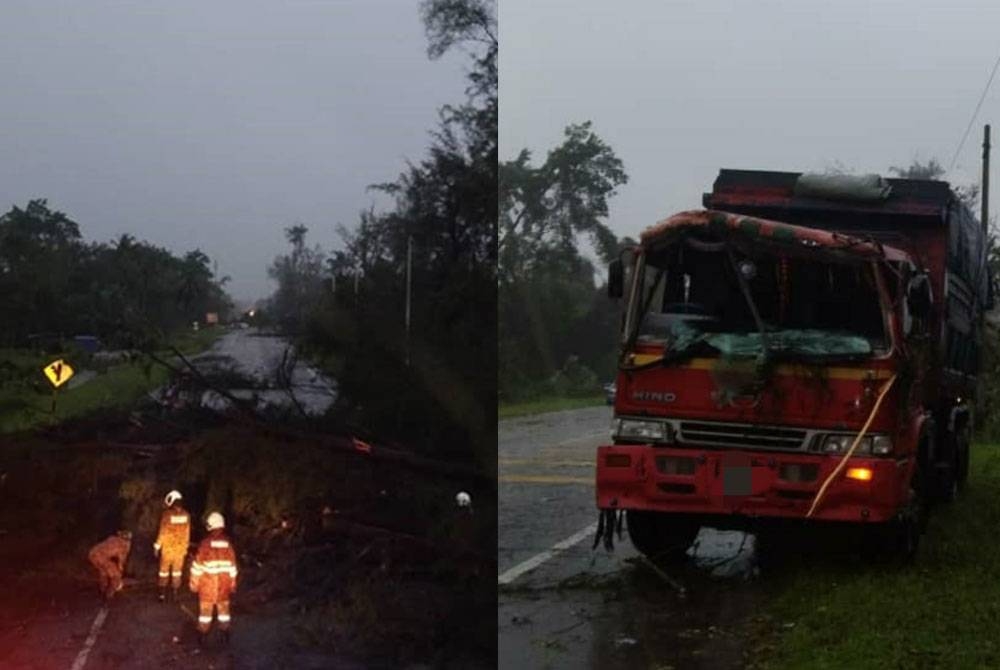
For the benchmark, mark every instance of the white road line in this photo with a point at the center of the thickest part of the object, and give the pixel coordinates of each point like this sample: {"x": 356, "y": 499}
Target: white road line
{"x": 533, "y": 562}
{"x": 81, "y": 658}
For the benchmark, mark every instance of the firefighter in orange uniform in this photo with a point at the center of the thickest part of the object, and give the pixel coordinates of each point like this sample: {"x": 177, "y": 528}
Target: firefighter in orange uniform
{"x": 172, "y": 544}
{"x": 109, "y": 557}
{"x": 213, "y": 577}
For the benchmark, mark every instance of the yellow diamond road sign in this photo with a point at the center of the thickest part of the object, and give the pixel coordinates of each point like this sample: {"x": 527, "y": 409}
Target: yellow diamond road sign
{"x": 58, "y": 372}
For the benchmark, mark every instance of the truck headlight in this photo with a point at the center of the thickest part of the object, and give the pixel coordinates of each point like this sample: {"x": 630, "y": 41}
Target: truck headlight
{"x": 637, "y": 429}
{"x": 838, "y": 444}
{"x": 870, "y": 445}
{"x": 881, "y": 445}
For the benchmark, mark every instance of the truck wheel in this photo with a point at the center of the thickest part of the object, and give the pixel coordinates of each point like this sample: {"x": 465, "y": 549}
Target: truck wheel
{"x": 904, "y": 533}
{"x": 948, "y": 478}
{"x": 963, "y": 456}
{"x": 661, "y": 537}
{"x": 897, "y": 540}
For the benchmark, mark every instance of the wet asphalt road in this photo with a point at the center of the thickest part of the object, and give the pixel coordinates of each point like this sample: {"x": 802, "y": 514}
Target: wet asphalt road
{"x": 584, "y": 608}
{"x": 257, "y": 356}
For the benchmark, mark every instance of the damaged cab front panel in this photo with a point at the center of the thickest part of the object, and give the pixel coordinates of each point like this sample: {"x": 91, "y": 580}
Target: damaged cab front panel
{"x": 752, "y": 355}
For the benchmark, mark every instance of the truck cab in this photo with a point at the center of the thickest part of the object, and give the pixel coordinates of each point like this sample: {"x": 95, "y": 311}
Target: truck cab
{"x": 813, "y": 368}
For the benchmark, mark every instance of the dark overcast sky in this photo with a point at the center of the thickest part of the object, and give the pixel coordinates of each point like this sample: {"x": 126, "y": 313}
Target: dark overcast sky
{"x": 681, "y": 89}
{"x": 214, "y": 124}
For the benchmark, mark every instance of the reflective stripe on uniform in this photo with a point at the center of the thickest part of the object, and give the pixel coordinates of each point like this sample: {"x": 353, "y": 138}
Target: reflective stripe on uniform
{"x": 219, "y": 544}
{"x": 178, "y": 518}
{"x": 214, "y": 568}
{"x": 223, "y": 617}
{"x": 164, "y": 573}
{"x": 205, "y": 619}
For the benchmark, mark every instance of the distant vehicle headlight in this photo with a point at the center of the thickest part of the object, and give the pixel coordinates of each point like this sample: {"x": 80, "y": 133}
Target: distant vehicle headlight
{"x": 637, "y": 429}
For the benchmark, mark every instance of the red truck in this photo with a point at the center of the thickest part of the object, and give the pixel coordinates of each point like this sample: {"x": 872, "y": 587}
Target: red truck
{"x": 803, "y": 350}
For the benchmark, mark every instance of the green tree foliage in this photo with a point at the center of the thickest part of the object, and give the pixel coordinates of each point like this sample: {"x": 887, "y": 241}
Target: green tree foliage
{"x": 300, "y": 278}
{"x": 932, "y": 169}
{"x": 551, "y": 313}
{"x": 446, "y": 205}
{"x": 127, "y": 292}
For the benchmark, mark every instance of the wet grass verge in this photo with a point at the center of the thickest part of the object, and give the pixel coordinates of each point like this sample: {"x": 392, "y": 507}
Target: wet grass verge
{"x": 939, "y": 612}
{"x": 121, "y": 386}
{"x": 27, "y": 403}
{"x": 547, "y": 404}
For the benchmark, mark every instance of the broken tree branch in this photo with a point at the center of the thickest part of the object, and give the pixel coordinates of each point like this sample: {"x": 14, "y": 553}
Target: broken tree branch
{"x": 285, "y": 370}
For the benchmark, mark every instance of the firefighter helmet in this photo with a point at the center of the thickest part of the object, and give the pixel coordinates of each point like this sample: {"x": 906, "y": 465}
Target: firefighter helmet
{"x": 215, "y": 521}
{"x": 125, "y": 535}
{"x": 463, "y": 499}
{"x": 172, "y": 497}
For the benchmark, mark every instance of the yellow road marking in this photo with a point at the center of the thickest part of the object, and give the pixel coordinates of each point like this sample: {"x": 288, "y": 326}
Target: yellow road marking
{"x": 545, "y": 479}
{"x": 543, "y": 462}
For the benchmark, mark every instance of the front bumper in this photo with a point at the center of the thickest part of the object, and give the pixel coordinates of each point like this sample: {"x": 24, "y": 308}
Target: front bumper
{"x": 751, "y": 484}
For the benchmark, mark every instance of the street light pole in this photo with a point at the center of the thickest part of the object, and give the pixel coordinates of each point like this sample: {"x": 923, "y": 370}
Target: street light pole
{"x": 409, "y": 284}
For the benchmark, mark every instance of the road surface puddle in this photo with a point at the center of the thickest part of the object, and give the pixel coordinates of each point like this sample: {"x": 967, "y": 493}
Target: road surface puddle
{"x": 616, "y": 610}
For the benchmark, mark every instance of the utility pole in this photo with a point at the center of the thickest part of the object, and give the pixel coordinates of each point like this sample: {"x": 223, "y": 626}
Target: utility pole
{"x": 985, "y": 187}
{"x": 409, "y": 284}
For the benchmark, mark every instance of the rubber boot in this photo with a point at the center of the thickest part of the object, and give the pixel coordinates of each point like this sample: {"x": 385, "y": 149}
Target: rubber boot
{"x": 162, "y": 597}
{"x": 175, "y": 595}
{"x": 202, "y": 638}
{"x": 225, "y": 636}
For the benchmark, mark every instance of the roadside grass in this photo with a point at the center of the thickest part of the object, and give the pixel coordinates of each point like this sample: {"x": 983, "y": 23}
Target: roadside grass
{"x": 26, "y": 406}
{"x": 547, "y": 404}
{"x": 943, "y": 611}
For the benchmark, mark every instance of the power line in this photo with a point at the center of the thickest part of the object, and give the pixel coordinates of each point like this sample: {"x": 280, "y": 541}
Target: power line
{"x": 974, "y": 114}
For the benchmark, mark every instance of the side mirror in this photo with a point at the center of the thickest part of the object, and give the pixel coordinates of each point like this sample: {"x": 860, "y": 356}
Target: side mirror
{"x": 918, "y": 296}
{"x": 616, "y": 278}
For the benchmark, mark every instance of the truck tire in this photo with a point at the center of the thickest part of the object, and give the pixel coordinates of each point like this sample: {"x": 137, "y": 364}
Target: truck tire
{"x": 661, "y": 537}
{"x": 905, "y": 531}
{"x": 948, "y": 478}
{"x": 944, "y": 470}
{"x": 964, "y": 439}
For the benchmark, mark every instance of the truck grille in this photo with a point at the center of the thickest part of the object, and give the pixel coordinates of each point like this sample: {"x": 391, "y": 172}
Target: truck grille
{"x": 742, "y": 435}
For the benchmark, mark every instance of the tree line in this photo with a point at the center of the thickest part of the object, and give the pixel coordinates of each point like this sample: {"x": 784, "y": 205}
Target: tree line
{"x": 435, "y": 385}
{"x": 127, "y": 292}
{"x": 556, "y": 324}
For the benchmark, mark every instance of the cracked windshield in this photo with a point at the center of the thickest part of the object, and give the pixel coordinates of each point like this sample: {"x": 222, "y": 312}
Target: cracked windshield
{"x": 247, "y": 300}
{"x": 693, "y": 298}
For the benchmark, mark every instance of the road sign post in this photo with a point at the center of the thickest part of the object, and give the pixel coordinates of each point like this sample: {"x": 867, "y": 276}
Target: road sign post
{"x": 58, "y": 373}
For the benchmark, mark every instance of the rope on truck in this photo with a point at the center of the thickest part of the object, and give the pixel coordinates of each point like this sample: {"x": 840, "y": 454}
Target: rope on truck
{"x": 857, "y": 440}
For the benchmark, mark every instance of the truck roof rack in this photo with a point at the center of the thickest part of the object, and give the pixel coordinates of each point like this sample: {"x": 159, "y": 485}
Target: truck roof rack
{"x": 769, "y": 194}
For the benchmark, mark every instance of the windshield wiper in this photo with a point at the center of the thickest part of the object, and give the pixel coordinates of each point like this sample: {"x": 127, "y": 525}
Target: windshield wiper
{"x": 670, "y": 356}
{"x": 690, "y": 350}
{"x": 745, "y": 289}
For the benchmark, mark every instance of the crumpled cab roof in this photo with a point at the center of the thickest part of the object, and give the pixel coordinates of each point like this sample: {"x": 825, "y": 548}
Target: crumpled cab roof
{"x": 771, "y": 233}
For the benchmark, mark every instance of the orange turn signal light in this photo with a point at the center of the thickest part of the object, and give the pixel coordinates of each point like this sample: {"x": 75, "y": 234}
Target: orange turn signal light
{"x": 617, "y": 460}
{"x": 861, "y": 474}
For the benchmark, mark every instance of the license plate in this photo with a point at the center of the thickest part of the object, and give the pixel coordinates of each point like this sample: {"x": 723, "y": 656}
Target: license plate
{"x": 737, "y": 476}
